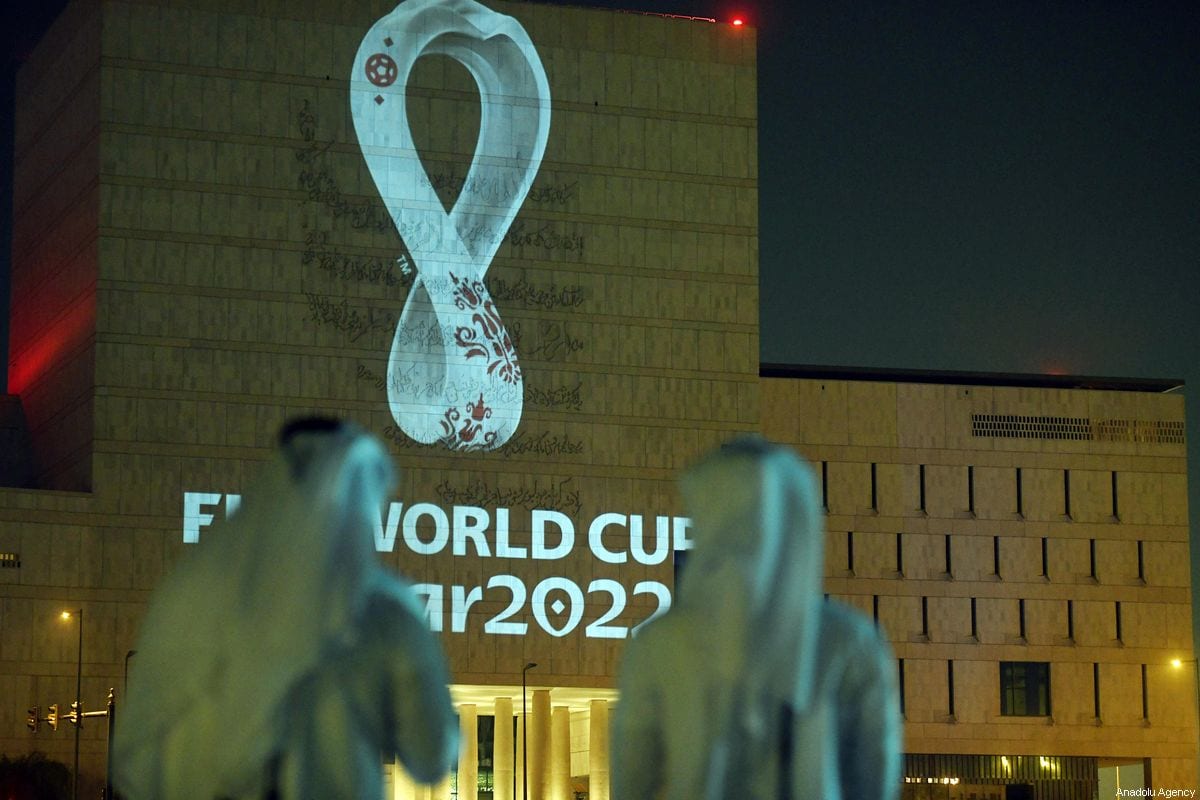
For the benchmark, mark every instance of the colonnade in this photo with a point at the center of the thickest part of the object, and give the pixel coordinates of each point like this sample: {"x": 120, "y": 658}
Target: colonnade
{"x": 548, "y": 747}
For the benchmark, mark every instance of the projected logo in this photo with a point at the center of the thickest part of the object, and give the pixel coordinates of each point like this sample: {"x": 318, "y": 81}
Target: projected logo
{"x": 453, "y": 376}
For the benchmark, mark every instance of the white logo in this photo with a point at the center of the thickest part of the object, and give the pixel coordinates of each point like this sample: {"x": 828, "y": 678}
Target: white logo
{"x": 452, "y": 252}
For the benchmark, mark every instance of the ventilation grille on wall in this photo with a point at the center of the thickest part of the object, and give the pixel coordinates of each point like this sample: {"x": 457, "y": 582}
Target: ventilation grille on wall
{"x": 1018, "y": 426}
{"x": 9, "y": 560}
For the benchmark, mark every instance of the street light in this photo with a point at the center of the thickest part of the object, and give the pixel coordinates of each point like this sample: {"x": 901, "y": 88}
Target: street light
{"x": 525, "y": 736}
{"x": 66, "y": 616}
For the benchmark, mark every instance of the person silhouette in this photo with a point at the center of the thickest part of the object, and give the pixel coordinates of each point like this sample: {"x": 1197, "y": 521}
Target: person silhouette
{"x": 280, "y": 658}
{"x": 753, "y": 686}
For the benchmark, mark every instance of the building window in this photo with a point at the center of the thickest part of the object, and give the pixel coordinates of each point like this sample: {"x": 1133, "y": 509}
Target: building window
{"x": 949, "y": 562}
{"x": 1141, "y": 561}
{"x": 875, "y": 607}
{"x": 950, "y": 687}
{"x": 1071, "y": 620}
{"x": 1045, "y": 559}
{"x": 996, "y": 556}
{"x": 1116, "y": 515}
{"x": 1021, "y": 619}
{"x": 921, "y": 481}
{"x": 971, "y": 490}
{"x": 900, "y": 554}
{"x": 1117, "y": 619}
{"x": 1092, "y": 558}
{"x": 900, "y": 678}
{"x": 1067, "y": 492}
{"x": 825, "y": 485}
{"x": 1020, "y": 503}
{"x": 974, "y": 621}
{"x": 850, "y": 551}
{"x": 1096, "y": 689}
{"x": 874, "y": 487}
{"x": 925, "y": 617}
{"x": 1145, "y": 696}
{"x": 1024, "y": 688}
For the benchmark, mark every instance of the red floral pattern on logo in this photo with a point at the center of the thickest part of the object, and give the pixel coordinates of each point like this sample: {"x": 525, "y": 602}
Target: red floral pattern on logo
{"x": 488, "y": 338}
{"x": 467, "y": 437}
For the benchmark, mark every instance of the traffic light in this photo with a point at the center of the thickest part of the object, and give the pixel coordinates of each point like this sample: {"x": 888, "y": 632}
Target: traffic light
{"x": 52, "y": 717}
{"x": 32, "y": 720}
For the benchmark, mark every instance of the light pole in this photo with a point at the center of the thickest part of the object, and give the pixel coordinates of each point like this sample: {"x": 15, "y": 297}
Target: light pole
{"x": 66, "y": 615}
{"x": 525, "y": 736}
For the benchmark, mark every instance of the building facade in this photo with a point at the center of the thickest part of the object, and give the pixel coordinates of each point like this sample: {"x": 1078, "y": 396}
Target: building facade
{"x": 1023, "y": 543}
{"x": 225, "y": 218}
{"x": 229, "y": 215}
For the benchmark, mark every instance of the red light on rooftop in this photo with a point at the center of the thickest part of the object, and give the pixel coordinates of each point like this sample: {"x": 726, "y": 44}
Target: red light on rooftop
{"x": 738, "y": 21}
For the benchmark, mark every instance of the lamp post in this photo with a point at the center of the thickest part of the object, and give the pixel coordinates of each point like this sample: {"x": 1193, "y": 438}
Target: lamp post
{"x": 66, "y": 615}
{"x": 525, "y": 736}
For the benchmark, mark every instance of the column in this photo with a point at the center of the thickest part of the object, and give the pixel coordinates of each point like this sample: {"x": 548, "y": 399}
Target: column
{"x": 598, "y": 751}
{"x": 468, "y": 752}
{"x": 402, "y": 784}
{"x": 520, "y": 765}
{"x": 560, "y": 754}
{"x": 539, "y": 745}
{"x": 502, "y": 754}
{"x": 443, "y": 789}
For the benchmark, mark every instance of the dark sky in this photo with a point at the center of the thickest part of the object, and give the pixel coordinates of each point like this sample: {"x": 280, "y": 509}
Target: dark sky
{"x": 990, "y": 186}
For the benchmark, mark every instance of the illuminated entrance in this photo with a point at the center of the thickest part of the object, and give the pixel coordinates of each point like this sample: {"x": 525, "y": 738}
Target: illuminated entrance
{"x": 564, "y": 752}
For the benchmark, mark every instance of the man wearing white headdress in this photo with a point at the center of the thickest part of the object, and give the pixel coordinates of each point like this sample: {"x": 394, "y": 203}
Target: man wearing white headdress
{"x": 753, "y": 686}
{"x": 280, "y": 658}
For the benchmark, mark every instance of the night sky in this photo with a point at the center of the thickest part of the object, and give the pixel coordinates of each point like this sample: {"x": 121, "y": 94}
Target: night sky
{"x": 987, "y": 186}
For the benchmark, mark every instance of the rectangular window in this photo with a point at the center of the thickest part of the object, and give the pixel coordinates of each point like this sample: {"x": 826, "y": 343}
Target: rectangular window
{"x": 1141, "y": 561}
{"x": 1067, "y": 492}
{"x": 1071, "y": 620}
{"x": 1045, "y": 559}
{"x": 974, "y": 621}
{"x": 875, "y": 607}
{"x": 1116, "y": 509}
{"x": 950, "y": 687}
{"x": 1024, "y": 688}
{"x": 996, "y": 556}
{"x": 925, "y": 617}
{"x": 900, "y": 677}
{"x": 1096, "y": 689}
{"x": 1117, "y": 619}
{"x": 971, "y": 490}
{"x": 1021, "y": 618}
{"x": 1145, "y": 696}
{"x": 900, "y": 554}
{"x": 1020, "y": 502}
{"x": 825, "y": 485}
{"x": 949, "y": 563}
{"x": 874, "y": 488}
{"x": 850, "y": 551}
{"x": 1092, "y": 558}
{"x": 921, "y": 481}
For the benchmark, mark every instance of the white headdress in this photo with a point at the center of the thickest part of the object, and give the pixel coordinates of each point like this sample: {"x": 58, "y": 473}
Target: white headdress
{"x": 263, "y": 599}
{"x": 754, "y": 576}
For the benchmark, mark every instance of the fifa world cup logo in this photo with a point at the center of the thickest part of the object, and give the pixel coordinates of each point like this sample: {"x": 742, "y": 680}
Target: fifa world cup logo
{"x": 462, "y": 383}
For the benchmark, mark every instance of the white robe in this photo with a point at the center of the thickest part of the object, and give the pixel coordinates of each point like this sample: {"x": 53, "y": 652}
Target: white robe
{"x": 753, "y": 687}
{"x": 280, "y": 651}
